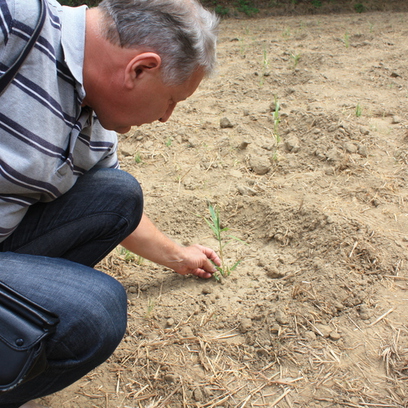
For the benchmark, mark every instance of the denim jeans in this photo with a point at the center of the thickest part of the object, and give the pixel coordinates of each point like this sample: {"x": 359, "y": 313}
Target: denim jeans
{"x": 50, "y": 258}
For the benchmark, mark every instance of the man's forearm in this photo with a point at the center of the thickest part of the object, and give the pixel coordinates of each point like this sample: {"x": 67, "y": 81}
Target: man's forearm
{"x": 150, "y": 243}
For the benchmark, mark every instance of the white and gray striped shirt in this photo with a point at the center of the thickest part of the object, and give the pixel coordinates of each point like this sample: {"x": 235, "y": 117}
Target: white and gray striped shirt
{"x": 46, "y": 139}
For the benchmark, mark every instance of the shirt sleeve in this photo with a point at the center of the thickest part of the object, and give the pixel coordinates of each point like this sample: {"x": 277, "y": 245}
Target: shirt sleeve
{"x": 11, "y": 215}
{"x": 12, "y": 207}
{"x": 111, "y": 161}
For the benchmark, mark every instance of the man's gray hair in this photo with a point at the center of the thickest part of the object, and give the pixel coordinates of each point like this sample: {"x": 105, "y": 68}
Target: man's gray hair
{"x": 181, "y": 32}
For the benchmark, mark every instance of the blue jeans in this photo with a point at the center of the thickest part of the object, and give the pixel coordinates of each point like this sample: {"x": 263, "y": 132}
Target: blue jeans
{"x": 50, "y": 259}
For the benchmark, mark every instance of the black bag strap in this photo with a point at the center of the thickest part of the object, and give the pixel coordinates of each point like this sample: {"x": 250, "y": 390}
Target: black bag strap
{"x": 8, "y": 76}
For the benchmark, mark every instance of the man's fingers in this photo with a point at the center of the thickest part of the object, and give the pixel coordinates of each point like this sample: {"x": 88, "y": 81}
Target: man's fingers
{"x": 202, "y": 274}
{"x": 210, "y": 254}
{"x": 209, "y": 266}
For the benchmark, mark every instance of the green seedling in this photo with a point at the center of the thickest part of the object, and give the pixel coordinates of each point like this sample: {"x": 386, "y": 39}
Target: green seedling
{"x": 295, "y": 59}
{"x": 242, "y": 47}
{"x": 127, "y": 255}
{"x": 150, "y": 307}
{"x": 359, "y": 110}
{"x": 265, "y": 65}
{"x": 265, "y": 61}
{"x": 219, "y": 233}
{"x": 286, "y": 34}
{"x": 347, "y": 40}
{"x": 140, "y": 260}
{"x": 276, "y": 120}
{"x": 138, "y": 158}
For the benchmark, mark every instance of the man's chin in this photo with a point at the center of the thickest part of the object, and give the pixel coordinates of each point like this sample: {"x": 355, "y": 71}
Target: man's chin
{"x": 123, "y": 129}
{"x": 116, "y": 128}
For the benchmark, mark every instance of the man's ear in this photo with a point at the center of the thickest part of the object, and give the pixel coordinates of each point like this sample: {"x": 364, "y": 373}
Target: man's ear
{"x": 139, "y": 65}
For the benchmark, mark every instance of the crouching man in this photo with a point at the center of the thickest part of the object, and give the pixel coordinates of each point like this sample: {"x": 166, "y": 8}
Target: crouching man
{"x": 64, "y": 202}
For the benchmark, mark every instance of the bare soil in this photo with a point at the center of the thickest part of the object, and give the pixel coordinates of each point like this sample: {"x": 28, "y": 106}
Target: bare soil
{"x": 315, "y": 315}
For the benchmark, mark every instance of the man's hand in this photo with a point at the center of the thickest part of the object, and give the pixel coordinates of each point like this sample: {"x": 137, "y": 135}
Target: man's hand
{"x": 148, "y": 242}
{"x": 196, "y": 260}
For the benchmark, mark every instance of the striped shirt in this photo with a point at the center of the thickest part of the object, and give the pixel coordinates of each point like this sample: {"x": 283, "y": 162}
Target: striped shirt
{"x": 47, "y": 140}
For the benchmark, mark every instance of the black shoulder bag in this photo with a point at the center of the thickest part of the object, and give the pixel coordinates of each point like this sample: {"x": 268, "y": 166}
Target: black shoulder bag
{"x": 23, "y": 327}
{"x": 23, "y": 324}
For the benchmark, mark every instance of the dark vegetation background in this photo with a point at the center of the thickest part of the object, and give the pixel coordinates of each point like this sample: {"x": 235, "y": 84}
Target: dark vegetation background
{"x": 265, "y": 8}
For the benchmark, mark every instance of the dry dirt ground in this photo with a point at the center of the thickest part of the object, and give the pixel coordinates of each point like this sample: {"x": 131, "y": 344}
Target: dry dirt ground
{"x": 315, "y": 315}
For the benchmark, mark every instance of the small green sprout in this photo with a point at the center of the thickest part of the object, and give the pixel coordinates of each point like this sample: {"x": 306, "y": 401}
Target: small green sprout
{"x": 286, "y": 34}
{"x": 219, "y": 233}
{"x": 347, "y": 40}
{"x": 150, "y": 307}
{"x": 127, "y": 255}
{"x": 138, "y": 158}
{"x": 276, "y": 120}
{"x": 295, "y": 59}
{"x": 140, "y": 260}
{"x": 359, "y": 110}
{"x": 265, "y": 61}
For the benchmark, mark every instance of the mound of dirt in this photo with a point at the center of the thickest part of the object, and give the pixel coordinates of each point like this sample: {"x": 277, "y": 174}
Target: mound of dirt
{"x": 301, "y": 143}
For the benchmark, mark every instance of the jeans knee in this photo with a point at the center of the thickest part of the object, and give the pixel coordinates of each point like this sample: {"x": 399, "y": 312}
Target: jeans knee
{"x": 132, "y": 196}
{"x": 124, "y": 191}
{"x": 92, "y": 329}
{"x": 109, "y": 316}
{"x": 113, "y": 319}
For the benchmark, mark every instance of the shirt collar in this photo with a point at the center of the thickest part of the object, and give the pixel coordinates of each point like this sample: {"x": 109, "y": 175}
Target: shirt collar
{"x": 73, "y": 42}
